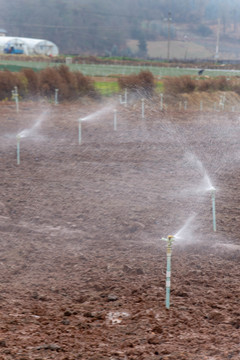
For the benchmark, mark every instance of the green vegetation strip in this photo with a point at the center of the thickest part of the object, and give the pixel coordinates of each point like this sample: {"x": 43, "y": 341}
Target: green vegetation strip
{"x": 109, "y": 70}
{"x": 107, "y": 88}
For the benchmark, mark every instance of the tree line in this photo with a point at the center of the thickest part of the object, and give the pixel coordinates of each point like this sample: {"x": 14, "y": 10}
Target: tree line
{"x": 103, "y": 27}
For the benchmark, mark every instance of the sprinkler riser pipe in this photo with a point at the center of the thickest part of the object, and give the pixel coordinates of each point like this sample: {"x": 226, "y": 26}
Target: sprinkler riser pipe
{"x": 115, "y": 120}
{"x": 18, "y": 151}
{"x": 168, "y": 279}
{"x": 56, "y": 97}
{"x": 161, "y": 102}
{"x": 214, "y": 211}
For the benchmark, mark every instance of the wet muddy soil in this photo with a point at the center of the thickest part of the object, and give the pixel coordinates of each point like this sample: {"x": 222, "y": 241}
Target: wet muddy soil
{"x": 82, "y": 263}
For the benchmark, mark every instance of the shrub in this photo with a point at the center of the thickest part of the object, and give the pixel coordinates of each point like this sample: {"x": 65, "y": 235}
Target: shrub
{"x": 68, "y": 83}
{"x": 7, "y": 82}
{"x": 32, "y": 81}
{"x": 181, "y": 84}
{"x": 85, "y": 85}
{"x": 219, "y": 83}
{"x": 143, "y": 83}
{"x": 49, "y": 80}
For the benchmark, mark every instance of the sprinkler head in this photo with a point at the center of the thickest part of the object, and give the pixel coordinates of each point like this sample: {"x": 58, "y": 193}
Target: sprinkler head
{"x": 18, "y": 137}
{"x": 170, "y": 239}
{"x": 213, "y": 191}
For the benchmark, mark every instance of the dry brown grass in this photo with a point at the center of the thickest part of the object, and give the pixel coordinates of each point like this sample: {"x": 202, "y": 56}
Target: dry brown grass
{"x": 143, "y": 83}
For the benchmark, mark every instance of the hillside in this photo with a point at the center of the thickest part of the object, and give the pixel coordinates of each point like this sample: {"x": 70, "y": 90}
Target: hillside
{"x": 104, "y": 28}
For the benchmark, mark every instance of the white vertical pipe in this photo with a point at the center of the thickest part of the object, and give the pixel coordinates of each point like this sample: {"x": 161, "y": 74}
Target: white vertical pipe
{"x": 115, "y": 120}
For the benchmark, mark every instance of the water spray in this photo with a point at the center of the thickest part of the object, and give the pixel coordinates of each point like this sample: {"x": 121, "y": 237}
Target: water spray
{"x": 79, "y": 131}
{"x": 169, "y": 241}
{"x": 18, "y": 137}
{"x": 56, "y": 96}
{"x": 213, "y": 192}
{"x": 115, "y": 120}
{"x": 143, "y": 108}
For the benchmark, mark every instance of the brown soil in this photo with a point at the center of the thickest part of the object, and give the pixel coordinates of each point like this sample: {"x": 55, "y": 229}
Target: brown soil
{"x": 82, "y": 264}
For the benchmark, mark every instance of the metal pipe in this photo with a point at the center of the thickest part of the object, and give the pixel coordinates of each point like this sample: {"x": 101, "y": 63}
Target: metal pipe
{"x": 115, "y": 120}
{"x": 169, "y": 241}
{"x": 56, "y": 96}
{"x": 213, "y": 209}
{"x": 18, "y": 149}
{"x": 161, "y": 102}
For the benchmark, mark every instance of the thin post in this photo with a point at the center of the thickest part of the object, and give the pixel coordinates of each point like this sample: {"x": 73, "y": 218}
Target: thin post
{"x": 169, "y": 36}
{"x": 15, "y": 97}
{"x": 56, "y": 97}
{"x": 125, "y": 102}
{"x": 161, "y": 102}
{"x": 214, "y": 210}
{"x": 169, "y": 241}
{"x": 18, "y": 149}
{"x": 115, "y": 120}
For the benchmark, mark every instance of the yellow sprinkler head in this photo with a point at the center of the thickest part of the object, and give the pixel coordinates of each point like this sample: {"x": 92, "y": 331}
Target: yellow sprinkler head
{"x": 170, "y": 240}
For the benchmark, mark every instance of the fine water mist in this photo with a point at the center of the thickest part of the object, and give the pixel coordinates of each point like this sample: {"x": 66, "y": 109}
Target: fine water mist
{"x": 98, "y": 113}
{"x": 185, "y": 234}
{"x": 32, "y": 131}
{"x": 206, "y": 183}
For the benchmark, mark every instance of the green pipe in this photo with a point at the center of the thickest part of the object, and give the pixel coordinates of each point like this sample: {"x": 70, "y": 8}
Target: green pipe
{"x": 18, "y": 149}
{"x": 213, "y": 209}
{"x": 115, "y": 120}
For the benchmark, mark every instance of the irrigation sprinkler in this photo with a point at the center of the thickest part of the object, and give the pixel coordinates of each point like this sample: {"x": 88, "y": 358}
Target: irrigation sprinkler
{"x": 15, "y": 97}
{"x": 213, "y": 192}
{"x": 201, "y": 105}
{"x": 161, "y": 101}
{"x": 222, "y": 102}
{"x": 126, "y": 94}
{"x": 185, "y": 105}
{"x": 123, "y": 102}
{"x": 79, "y": 131}
{"x": 169, "y": 241}
{"x": 143, "y": 108}
{"x": 56, "y": 97}
{"x": 115, "y": 120}
{"x": 18, "y": 137}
